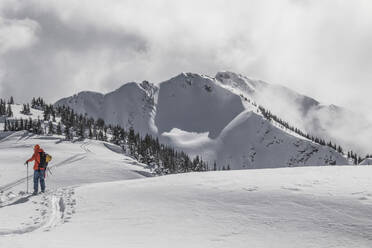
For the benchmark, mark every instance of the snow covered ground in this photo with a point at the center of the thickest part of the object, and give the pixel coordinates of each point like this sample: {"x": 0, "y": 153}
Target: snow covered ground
{"x": 73, "y": 164}
{"x": 90, "y": 203}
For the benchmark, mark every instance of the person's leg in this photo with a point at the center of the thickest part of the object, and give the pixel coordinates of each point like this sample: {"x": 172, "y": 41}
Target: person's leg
{"x": 36, "y": 181}
{"x": 42, "y": 180}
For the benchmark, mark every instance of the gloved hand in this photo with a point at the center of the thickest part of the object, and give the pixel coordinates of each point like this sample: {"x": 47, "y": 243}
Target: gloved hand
{"x": 26, "y": 163}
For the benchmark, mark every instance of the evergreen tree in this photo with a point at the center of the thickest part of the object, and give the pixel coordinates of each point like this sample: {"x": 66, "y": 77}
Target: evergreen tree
{"x": 9, "y": 111}
{"x": 100, "y": 135}
{"x": 39, "y": 129}
{"x": 90, "y": 133}
{"x": 81, "y": 131}
{"x": 46, "y": 114}
{"x": 100, "y": 123}
{"x": 21, "y": 125}
{"x": 50, "y": 128}
{"x": 26, "y": 109}
{"x": 59, "y": 129}
{"x": 2, "y": 107}
{"x": 67, "y": 133}
{"x": 33, "y": 103}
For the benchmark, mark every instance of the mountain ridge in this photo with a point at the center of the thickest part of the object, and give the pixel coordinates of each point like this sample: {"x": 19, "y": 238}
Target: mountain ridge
{"x": 199, "y": 108}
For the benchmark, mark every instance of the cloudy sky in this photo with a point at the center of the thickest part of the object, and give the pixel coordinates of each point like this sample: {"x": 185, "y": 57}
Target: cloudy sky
{"x": 55, "y": 48}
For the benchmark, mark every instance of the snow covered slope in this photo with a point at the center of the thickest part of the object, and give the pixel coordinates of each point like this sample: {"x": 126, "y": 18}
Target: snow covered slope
{"x": 136, "y": 107}
{"x": 85, "y": 102}
{"x": 201, "y": 116}
{"x": 34, "y": 113}
{"x": 308, "y": 207}
{"x": 252, "y": 142}
{"x": 129, "y": 106}
{"x": 351, "y": 130}
{"x": 90, "y": 161}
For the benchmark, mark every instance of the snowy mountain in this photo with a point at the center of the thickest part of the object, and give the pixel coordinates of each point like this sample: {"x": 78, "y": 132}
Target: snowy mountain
{"x": 349, "y": 129}
{"x": 129, "y": 106}
{"x": 201, "y": 116}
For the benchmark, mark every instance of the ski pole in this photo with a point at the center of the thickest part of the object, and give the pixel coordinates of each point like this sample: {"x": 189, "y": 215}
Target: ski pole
{"x": 27, "y": 178}
{"x": 50, "y": 171}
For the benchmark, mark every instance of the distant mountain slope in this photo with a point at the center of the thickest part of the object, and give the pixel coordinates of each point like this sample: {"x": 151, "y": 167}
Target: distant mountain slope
{"x": 85, "y": 102}
{"x": 129, "y": 106}
{"x": 201, "y": 116}
{"x": 351, "y": 130}
{"x": 253, "y": 142}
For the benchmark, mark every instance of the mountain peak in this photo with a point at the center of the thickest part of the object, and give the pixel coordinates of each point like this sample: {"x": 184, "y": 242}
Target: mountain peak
{"x": 189, "y": 76}
{"x": 128, "y": 86}
{"x": 238, "y": 81}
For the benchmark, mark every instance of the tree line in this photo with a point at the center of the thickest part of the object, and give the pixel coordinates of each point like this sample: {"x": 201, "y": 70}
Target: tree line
{"x": 271, "y": 117}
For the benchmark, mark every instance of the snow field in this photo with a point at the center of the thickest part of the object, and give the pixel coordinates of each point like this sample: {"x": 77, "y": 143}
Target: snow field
{"x": 90, "y": 202}
{"x": 291, "y": 207}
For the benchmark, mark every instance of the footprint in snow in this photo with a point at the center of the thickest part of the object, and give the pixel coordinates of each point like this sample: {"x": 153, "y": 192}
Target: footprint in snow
{"x": 291, "y": 189}
{"x": 357, "y": 193}
{"x": 251, "y": 189}
{"x": 304, "y": 185}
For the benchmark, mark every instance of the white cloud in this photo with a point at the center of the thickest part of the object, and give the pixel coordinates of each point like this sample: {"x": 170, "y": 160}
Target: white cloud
{"x": 320, "y": 48}
{"x": 17, "y": 34}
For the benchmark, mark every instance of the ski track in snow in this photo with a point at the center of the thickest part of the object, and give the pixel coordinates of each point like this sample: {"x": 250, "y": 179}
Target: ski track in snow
{"x": 52, "y": 209}
{"x": 62, "y": 208}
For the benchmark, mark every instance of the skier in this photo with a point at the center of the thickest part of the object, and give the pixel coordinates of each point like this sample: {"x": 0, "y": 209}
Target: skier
{"x": 39, "y": 168}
